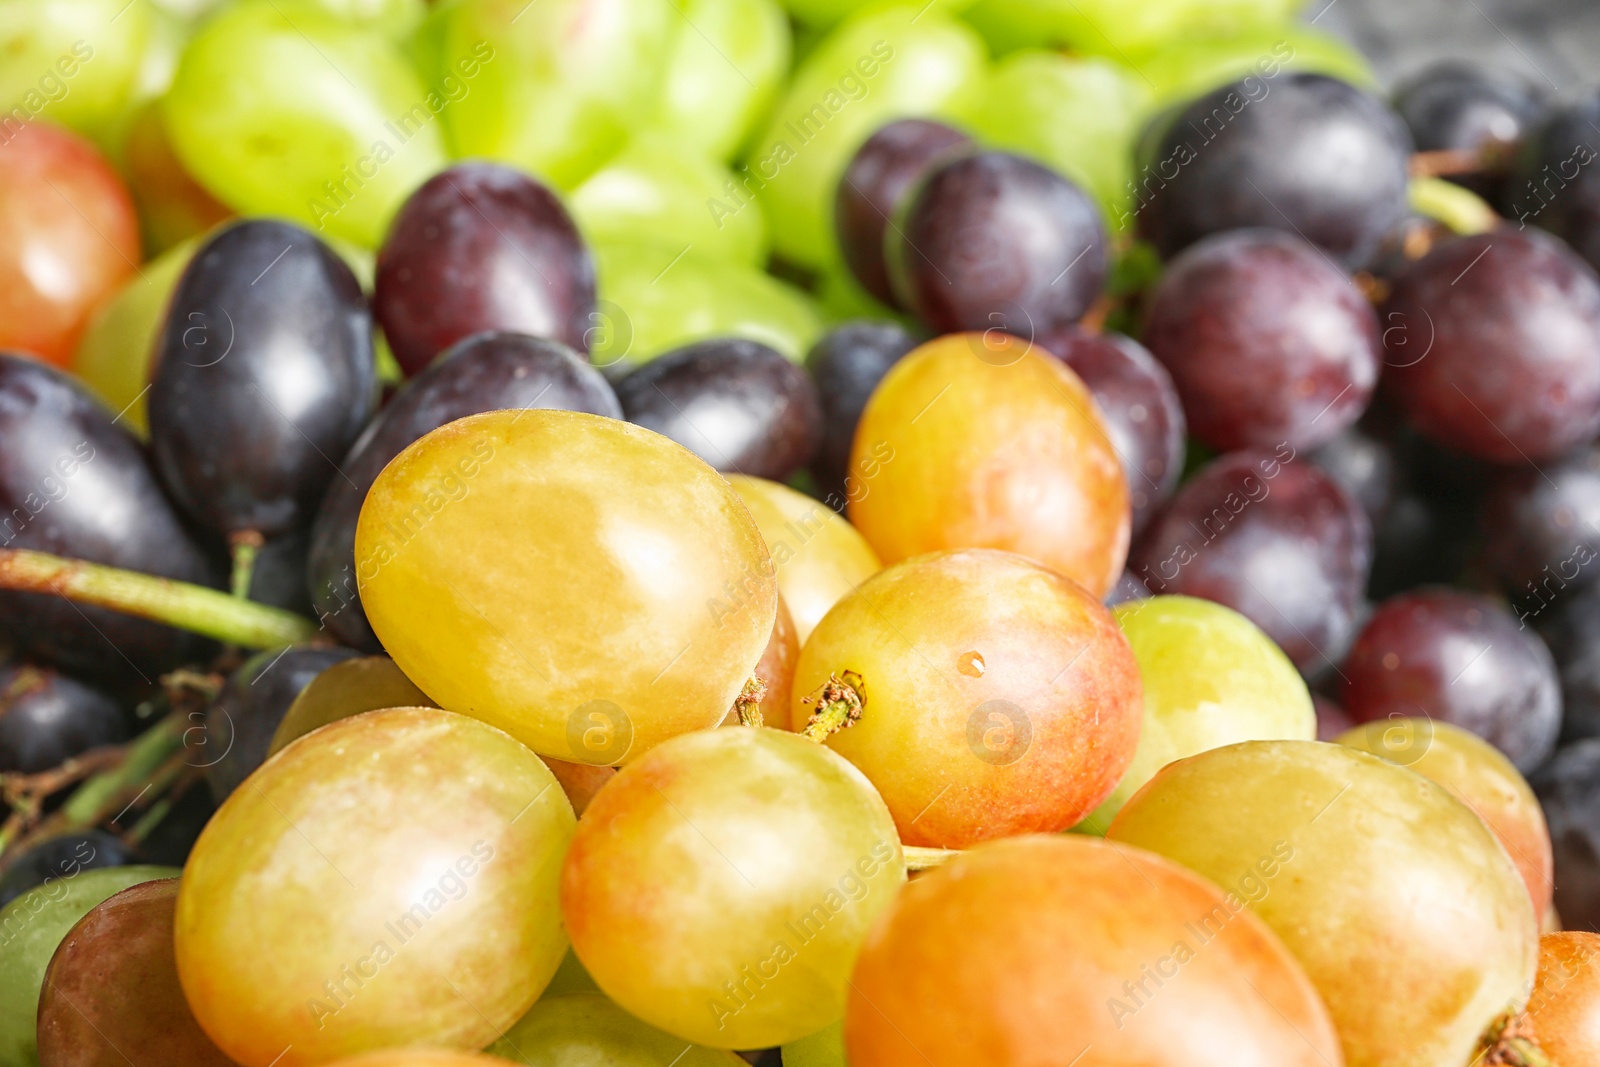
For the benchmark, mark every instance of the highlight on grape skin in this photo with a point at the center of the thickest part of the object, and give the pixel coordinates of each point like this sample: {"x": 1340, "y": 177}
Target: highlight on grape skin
{"x": 799, "y": 533}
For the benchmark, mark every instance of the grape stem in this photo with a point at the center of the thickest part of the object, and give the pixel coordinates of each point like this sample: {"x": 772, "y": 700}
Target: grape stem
{"x": 839, "y": 704}
{"x": 245, "y": 545}
{"x": 1459, "y": 210}
{"x": 747, "y": 705}
{"x": 166, "y": 600}
{"x": 1509, "y": 1042}
{"x": 925, "y": 859}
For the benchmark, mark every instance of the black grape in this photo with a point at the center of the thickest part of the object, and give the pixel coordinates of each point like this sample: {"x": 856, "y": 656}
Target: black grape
{"x": 47, "y": 718}
{"x": 1555, "y": 181}
{"x": 847, "y": 364}
{"x": 63, "y": 857}
{"x": 1569, "y": 790}
{"x": 1464, "y": 107}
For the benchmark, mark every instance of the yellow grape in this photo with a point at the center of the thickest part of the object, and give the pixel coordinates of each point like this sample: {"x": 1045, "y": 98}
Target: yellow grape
{"x": 588, "y": 586}
{"x": 388, "y": 880}
{"x": 820, "y": 557}
{"x": 584, "y": 1029}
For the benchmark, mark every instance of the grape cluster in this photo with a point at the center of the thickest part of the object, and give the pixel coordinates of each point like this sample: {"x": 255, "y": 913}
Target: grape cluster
{"x": 689, "y": 533}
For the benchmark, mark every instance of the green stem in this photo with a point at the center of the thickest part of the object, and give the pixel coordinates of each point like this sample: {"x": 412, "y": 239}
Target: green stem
{"x": 924, "y": 859}
{"x": 245, "y": 546}
{"x": 839, "y": 703}
{"x": 188, "y": 607}
{"x": 1460, "y": 210}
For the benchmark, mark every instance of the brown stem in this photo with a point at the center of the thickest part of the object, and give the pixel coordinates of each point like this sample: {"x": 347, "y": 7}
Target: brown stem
{"x": 839, "y": 703}
{"x": 1450, "y": 162}
{"x": 1510, "y": 1042}
{"x": 747, "y": 705}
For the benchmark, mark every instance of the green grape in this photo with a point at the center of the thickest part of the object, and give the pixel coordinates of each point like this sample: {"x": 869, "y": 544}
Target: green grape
{"x": 586, "y": 585}
{"x": 280, "y": 108}
{"x": 726, "y": 63}
{"x": 825, "y": 13}
{"x": 1399, "y": 901}
{"x": 825, "y": 1048}
{"x": 570, "y": 978}
{"x": 1211, "y": 678}
{"x": 1181, "y": 72}
{"x": 389, "y": 880}
{"x": 1115, "y": 27}
{"x": 875, "y": 67}
{"x": 720, "y": 886}
{"x": 113, "y": 359}
{"x": 654, "y": 298}
{"x": 396, "y": 18}
{"x": 568, "y": 80}
{"x": 658, "y": 192}
{"x": 72, "y": 62}
{"x": 587, "y": 1030}
{"x": 31, "y": 927}
{"x": 1078, "y": 115}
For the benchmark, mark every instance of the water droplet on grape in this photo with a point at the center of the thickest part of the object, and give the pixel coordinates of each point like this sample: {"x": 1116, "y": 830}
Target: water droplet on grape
{"x": 971, "y": 665}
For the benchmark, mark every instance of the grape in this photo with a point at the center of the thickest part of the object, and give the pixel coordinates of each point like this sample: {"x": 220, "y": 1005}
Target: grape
{"x": 847, "y": 364}
{"x": 111, "y": 993}
{"x": 725, "y": 65}
{"x": 1139, "y": 403}
{"x": 1399, "y": 902}
{"x": 345, "y": 688}
{"x": 1542, "y": 527}
{"x": 1078, "y": 114}
{"x": 1494, "y": 346}
{"x": 1105, "y": 929}
{"x": 72, "y": 62}
{"x": 658, "y": 191}
{"x": 240, "y": 722}
{"x": 585, "y": 584}
{"x": 1211, "y": 678}
{"x": 703, "y": 883}
{"x": 71, "y": 236}
{"x": 1111, "y": 28}
{"x": 74, "y": 483}
{"x": 1366, "y": 465}
{"x": 1273, "y": 538}
{"x": 421, "y": 1058}
{"x": 555, "y": 85}
{"x": 283, "y": 393}
{"x": 279, "y": 575}
{"x": 61, "y": 857}
{"x": 1304, "y": 153}
{"x": 173, "y": 207}
{"x": 1268, "y": 342}
{"x": 999, "y": 698}
{"x": 981, "y": 441}
{"x": 1572, "y": 632}
{"x": 1476, "y": 774}
{"x": 1552, "y": 183}
{"x": 825, "y": 1048}
{"x": 1464, "y": 107}
{"x": 113, "y": 358}
{"x": 570, "y": 976}
{"x": 736, "y": 404}
{"x": 47, "y": 718}
{"x": 395, "y": 18}
{"x": 1565, "y": 1004}
{"x": 875, "y": 66}
{"x": 655, "y": 299}
{"x": 880, "y": 175}
{"x": 1184, "y": 68}
{"x": 390, "y": 880}
{"x": 1461, "y": 658}
{"x": 291, "y": 111}
{"x": 994, "y": 240}
{"x": 818, "y": 555}
{"x": 485, "y": 372}
{"x": 1568, "y": 788}
{"x": 586, "y": 1028}
{"x": 31, "y": 927}
{"x": 481, "y": 247}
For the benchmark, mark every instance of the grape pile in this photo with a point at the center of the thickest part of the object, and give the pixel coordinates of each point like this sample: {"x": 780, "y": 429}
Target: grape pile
{"x": 797, "y": 533}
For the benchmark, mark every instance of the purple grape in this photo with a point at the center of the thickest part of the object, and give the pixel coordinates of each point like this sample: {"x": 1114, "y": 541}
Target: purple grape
{"x": 47, "y": 718}
{"x": 847, "y": 364}
{"x": 1140, "y": 404}
{"x": 1366, "y": 465}
{"x": 1494, "y": 346}
{"x": 487, "y": 372}
{"x": 1303, "y": 153}
{"x": 878, "y": 177}
{"x": 1456, "y": 656}
{"x": 995, "y": 241}
{"x": 1568, "y": 788}
{"x": 1268, "y": 341}
{"x": 1543, "y": 527}
{"x": 1273, "y": 537}
{"x": 1570, "y": 625}
{"x": 264, "y": 375}
{"x": 1555, "y": 181}
{"x": 740, "y": 406}
{"x": 479, "y": 247}
{"x": 1455, "y": 106}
